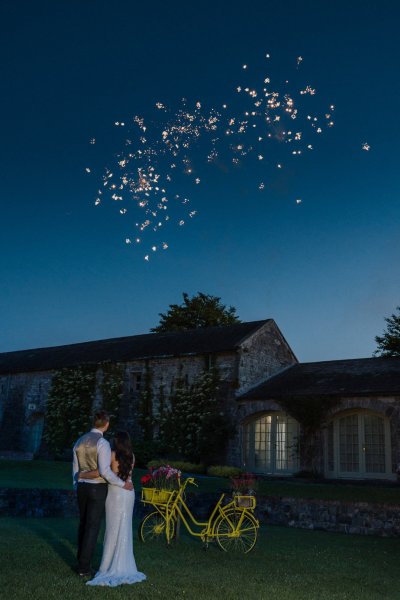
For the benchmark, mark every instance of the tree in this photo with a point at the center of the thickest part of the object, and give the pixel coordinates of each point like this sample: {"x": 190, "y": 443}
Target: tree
{"x": 201, "y": 310}
{"x": 389, "y": 342}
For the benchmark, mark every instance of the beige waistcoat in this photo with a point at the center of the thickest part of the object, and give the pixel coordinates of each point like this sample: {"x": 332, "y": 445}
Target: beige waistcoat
{"x": 86, "y": 453}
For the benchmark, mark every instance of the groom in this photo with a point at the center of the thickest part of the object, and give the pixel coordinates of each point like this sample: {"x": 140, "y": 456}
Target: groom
{"x": 92, "y": 452}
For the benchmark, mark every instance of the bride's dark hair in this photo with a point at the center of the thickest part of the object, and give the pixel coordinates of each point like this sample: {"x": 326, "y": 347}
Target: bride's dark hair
{"x": 123, "y": 454}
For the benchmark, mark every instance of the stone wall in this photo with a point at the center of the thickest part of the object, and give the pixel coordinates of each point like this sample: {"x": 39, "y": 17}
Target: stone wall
{"x": 340, "y": 517}
{"x": 37, "y": 503}
{"x": 23, "y": 396}
{"x": 163, "y": 374}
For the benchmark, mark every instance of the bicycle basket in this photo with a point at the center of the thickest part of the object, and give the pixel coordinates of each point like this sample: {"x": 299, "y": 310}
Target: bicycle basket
{"x": 155, "y": 496}
{"x": 245, "y": 501}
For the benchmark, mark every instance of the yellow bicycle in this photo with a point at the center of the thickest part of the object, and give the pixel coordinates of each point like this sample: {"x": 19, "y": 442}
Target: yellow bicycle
{"x": 233, "y": 525}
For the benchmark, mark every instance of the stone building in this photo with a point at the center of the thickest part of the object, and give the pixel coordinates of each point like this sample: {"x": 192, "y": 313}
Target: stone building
{"x": 245, "y": 354}
{"x": 359, "y": 437}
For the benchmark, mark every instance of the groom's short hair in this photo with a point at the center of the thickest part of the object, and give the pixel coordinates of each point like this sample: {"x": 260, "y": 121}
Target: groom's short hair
{"x": 100, "y": 418}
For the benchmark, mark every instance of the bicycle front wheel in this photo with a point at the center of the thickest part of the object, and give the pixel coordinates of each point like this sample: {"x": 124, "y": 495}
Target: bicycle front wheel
{"x": 235, "y": 533}
{"x": 153, "y": 528}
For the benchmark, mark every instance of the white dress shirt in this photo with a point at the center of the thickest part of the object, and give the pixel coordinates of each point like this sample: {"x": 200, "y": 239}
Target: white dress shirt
{"x": 103, "y": 461}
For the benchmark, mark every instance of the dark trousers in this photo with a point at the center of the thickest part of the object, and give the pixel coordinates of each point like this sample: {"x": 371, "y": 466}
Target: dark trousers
{"x": 91, "y": 502}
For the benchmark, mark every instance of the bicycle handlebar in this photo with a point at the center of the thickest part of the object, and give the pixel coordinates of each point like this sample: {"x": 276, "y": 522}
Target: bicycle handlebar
{"x": 191, "y": 481}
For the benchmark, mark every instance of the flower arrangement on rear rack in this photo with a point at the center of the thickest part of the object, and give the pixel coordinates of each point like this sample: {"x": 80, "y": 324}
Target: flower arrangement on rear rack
{"x": 244, "y": 484}
{"x": 244, "y": 489}
{"x": 163, "y": 478}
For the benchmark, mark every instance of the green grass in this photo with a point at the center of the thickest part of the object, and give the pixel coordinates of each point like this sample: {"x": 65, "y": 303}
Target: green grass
{"x": 49, "y": 474}
{"x": 38, "y": 557}
{"x": 35, "y": 474}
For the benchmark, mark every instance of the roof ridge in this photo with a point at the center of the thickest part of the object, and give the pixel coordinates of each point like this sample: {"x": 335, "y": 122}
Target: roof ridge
{"x": 263, "y": 322}
{"x": 138, "y": 335}
{"x": 341, "y": 360}
{"x": 200, "y": 341}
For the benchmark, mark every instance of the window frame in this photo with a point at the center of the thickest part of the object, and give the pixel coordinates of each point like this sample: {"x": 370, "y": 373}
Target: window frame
{"x": 362, "y": 473}
{"x": 248, "y": 443}
{"x": 135, "y": 382}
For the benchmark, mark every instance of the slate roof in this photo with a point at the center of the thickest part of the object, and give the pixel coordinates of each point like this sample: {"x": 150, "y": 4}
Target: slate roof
{"x": 152, "y": 345}
{"x": 355, "y": 377}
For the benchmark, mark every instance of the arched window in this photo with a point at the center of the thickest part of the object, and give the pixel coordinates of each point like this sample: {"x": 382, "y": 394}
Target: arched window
{"x": 357, "y": 445}
{"x": 270, "y": 444}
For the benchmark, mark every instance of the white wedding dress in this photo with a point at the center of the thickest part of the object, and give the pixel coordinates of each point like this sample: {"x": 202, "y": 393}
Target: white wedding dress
{"x": 118, "y": 564}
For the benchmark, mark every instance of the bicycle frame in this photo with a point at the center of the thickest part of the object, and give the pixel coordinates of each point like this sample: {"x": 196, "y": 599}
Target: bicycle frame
{"x": 177, "y": 507}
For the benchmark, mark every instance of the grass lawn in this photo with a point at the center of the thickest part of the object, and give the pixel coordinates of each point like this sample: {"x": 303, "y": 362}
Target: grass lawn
{"x": 49, "y": 474}
{"x": 38, "y": 557}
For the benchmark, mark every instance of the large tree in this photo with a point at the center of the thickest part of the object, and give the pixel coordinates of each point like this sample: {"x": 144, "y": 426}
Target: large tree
{"x": 389, "y": 342}
{"x": 202, "y": 310}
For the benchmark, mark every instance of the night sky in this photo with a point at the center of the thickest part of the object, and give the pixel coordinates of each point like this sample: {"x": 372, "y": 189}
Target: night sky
{"x": 327, "y": 270}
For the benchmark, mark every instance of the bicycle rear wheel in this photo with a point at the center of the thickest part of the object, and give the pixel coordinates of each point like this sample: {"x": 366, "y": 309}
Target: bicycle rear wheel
{"x": 153, "y": 528}
{"x": 235, "y": 536}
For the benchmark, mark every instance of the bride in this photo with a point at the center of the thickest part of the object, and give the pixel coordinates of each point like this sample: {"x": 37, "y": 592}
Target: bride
{"x": 118, "y": 564}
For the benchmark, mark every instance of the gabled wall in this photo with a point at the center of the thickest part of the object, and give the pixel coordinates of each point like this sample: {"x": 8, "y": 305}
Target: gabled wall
{"x": 261, "y": 355}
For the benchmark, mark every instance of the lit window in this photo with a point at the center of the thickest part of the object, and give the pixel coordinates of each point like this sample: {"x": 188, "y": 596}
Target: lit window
{"x": 271, "y": 444}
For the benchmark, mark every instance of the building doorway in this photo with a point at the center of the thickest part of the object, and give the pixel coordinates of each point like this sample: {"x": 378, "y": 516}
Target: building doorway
{"x": 34, "y": 438}
{"x": 358, "y": 446}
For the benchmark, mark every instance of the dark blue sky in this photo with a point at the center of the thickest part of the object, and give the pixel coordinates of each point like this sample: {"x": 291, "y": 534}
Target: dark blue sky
{"x": 327, "y": 270}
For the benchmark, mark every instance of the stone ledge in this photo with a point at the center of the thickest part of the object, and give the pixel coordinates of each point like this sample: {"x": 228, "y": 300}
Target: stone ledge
{"x": 332, "y": 515}
{"x": 15, "y": 455}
